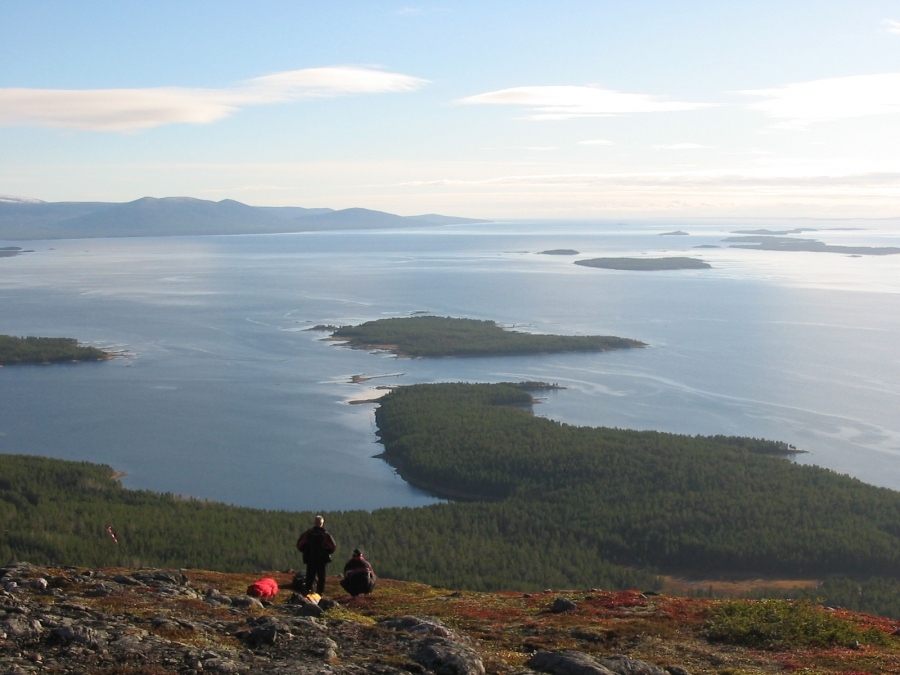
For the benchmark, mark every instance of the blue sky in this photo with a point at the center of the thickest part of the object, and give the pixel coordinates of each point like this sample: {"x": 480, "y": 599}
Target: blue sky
{"x": 493, "y": 109}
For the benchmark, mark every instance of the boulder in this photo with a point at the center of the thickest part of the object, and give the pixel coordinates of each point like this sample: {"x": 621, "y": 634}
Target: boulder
{"x": 562, "y": 605}
{"x": 445, "y": 657}
{"x": 624, "y": 665}
{"x": 418, "y": 625}
{"x": 567, "y": 663}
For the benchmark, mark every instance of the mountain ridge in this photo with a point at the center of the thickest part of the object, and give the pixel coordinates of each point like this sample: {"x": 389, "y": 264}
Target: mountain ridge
{"x": 24, "y": 219}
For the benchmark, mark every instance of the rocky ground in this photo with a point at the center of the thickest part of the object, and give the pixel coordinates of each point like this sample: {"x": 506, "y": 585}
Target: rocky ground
{"x": 150, "y": 622}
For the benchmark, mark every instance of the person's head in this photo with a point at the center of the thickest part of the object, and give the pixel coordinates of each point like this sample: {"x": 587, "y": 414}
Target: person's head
{"x": 319, "y": 521}
{"x": 357, "y": 553}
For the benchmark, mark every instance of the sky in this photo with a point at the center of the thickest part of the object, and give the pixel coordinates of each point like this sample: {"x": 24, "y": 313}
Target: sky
{"x": 492, "y": 109}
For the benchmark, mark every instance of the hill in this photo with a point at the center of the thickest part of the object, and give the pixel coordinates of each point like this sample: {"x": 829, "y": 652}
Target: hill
{"x": 122, "y": 621}
{"x": 177, "y": 216}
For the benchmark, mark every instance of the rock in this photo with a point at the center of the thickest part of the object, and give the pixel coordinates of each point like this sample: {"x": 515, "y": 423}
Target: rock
{"x": 268, "y": 631}
{"x": 567, "y": 663}
{"x": 327, "y": 649}
{"x": 623, "y": 665}
{"x": 130, "y": 643}
{"x": 446, "y": 657}
{"x": 676, "y": 670}
{"x": 79, "y": 634}
{"x": 245, "y": 602}
{"x": 309, "y": 609}
{"x": 39, "y": 584}
{"x": 174, "y": 577}
{"x": 419, "y": 626}
{"x": 327, "y": 604}
{"x": 221, "y": 665}
{"x": 17, "y": 626}
{"x": 214, "y": 596}
{"x": 126, "y": 580}
{"x": 562, "y": 605}
{"x": 102, "y": 590}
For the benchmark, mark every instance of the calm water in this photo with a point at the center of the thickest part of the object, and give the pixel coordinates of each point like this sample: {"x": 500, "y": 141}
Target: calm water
{"x": 227, "y": 396}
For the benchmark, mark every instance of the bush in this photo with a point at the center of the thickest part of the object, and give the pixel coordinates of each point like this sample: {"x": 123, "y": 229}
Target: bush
{"x": 783, "y": 624}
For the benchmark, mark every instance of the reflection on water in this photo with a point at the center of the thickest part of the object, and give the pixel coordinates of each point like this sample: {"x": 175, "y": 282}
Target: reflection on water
{"x": 227, "y": 396}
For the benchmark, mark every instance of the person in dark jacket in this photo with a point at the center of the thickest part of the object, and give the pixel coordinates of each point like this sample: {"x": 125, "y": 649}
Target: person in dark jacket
{"x": 317, "y": 547}
{"x": 359, "y": 577}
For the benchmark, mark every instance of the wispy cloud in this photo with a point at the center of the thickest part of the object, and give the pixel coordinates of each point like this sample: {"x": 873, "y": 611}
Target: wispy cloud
{"x": 134, "y": 109}
{"x": 595, "y": 141}
{"x": 836, "y": 98}
{"x": 681, "y": 146}
{"x": 893, "y": 26}
{"x": 567, "y": 102}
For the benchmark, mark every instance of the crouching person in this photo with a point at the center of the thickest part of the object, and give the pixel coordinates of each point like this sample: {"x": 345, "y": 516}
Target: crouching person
{"x": 359, "y": 577}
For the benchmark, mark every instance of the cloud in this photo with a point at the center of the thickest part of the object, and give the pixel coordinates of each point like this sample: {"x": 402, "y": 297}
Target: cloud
{"x": 836, "y": 98}
{"x": 567, "y": 102}
{"x": 681, "y": 146}
{"x": 133, "y": 109}
{"x": 893, "y": 25}
{"x": 595, "y": 141}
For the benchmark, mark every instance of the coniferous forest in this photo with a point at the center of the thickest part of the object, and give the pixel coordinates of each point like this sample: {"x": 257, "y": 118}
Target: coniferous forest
{"x": 20, "y": 350}
{"x": 538, "y": 504}
{"x": 433, "y": 336}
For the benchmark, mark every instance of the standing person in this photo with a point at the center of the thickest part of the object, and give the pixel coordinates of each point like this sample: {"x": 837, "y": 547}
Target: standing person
{"x": 317, "y": 546}
{"x": 359, "y": 577}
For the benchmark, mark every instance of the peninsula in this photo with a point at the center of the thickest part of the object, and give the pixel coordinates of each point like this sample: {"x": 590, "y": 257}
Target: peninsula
{"x": 645, "y": 264}
{"x": 22, "y": 350}
{"x": 433, "y": 336}
{"x": 772, "y": 243}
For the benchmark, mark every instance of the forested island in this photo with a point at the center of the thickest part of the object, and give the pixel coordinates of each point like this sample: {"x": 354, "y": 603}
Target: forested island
{"x": 433, "y": 336}
{"x": 22, "y": 350}
{"x": 645, "y": 264}
{"x": 540, "y": 504}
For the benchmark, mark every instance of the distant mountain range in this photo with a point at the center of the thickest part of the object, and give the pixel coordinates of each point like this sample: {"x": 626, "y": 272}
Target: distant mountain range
{"x": 22, "y": 219}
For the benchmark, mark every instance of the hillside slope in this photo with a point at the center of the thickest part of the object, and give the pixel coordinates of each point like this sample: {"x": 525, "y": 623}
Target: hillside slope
{"x": 148, "y": 622}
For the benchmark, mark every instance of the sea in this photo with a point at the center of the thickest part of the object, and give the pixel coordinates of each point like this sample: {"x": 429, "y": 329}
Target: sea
{"x": 222, "y": 390}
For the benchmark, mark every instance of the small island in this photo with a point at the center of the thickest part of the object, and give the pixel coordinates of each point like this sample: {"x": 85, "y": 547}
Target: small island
{"x": 676, "y": 233}
{"x": 560, "y": 251}
{"x": 645, "y": 264}
{"x": 12, "y": 251}
{"x": 23, "y": 350}
{"x": 434, "y": 336}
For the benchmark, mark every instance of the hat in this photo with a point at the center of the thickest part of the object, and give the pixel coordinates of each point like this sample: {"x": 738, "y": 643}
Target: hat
{"x": 357, "y": 552}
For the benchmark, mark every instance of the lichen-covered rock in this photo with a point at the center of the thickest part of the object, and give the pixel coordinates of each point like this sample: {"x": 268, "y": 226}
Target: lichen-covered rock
{"x": 80, "y": 634}
{"x": 17, "y": 626}
{"x": 446, "y": 657}
{"x": 624, "y": 665}
{"x": 567, "y": 663}
{"x": 418, "y": 625}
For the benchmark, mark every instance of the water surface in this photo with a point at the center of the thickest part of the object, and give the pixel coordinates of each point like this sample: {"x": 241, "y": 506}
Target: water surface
{"x": 226, "y": 395}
